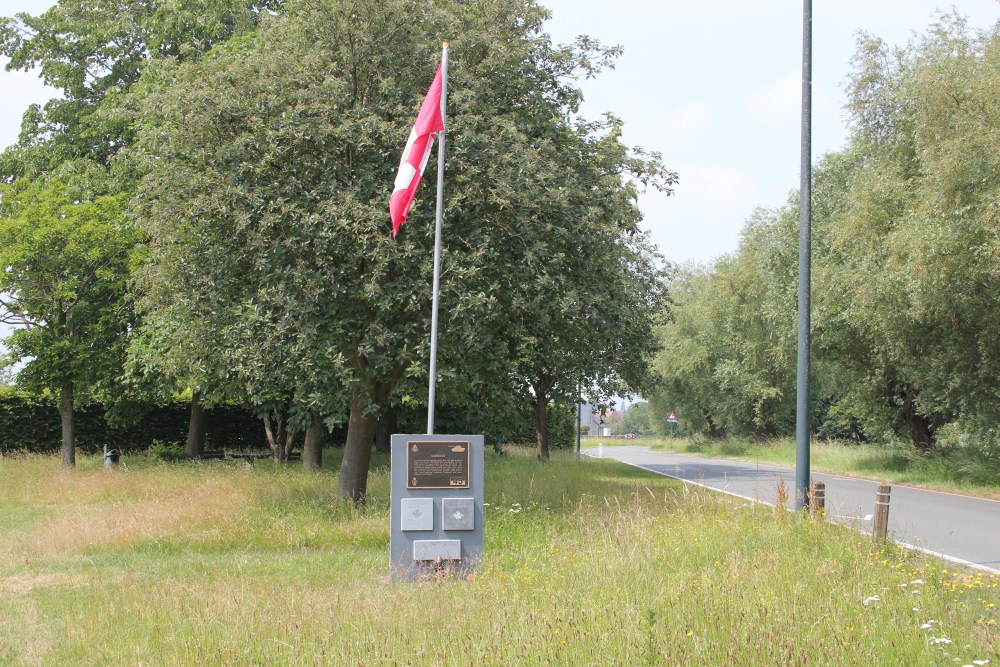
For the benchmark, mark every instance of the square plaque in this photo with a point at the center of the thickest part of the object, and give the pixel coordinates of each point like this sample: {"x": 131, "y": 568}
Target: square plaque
{"x": 416, "y": 514}
{"x": 434, "y": 549}
{"x": 458, "y": 514}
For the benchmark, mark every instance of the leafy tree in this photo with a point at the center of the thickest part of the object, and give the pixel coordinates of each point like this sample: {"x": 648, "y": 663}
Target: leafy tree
{"x": 574, "y": 316}
{"x": 93, "y": 51}
{"x": 270, "y": 163}
{"x": 912, "y": 277}
{"x": 729, "y": 343}
{"x": 637, "y": 420}
{"x": 65, "y": 244}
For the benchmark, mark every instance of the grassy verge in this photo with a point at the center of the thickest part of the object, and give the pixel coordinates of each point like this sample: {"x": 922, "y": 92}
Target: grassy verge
{"x": 949, "y": 470}
{"x": 587, "y": 562}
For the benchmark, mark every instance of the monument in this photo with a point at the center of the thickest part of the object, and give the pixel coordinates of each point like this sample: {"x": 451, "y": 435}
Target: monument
{"x": 437, "y": 505}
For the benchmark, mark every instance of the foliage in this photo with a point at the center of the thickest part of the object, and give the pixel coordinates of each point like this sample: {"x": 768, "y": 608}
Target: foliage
{"x": 728, "y": 358}
{"x": 30, "y": 423}
{"x": 91, "y": 51}
{"x": 637, "y": 420}
{"x": 267, "y": 170}
{"x": 167, "y": 451}
{"x": 65, "y": 246}
{"x": 905, "y": 257}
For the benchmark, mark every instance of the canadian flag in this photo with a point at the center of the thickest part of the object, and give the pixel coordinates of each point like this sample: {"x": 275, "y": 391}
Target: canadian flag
{"x": 416, "y": 153}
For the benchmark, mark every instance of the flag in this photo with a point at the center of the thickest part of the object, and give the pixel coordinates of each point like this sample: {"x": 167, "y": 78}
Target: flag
{"x": 416, "y": 153}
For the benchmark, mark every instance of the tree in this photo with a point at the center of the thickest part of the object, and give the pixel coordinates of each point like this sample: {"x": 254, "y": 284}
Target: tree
{"x": 637, "y": 420}
{"x": 65, "y": 246}
{"x": 912, "y": 276}
{"x": 269, "y": 170}
{"x": 93, "y": 51}
{"x": 729, "y": 341}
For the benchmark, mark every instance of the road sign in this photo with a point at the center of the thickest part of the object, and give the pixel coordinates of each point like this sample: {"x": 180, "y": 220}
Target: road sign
{"x": 672, "y": 417}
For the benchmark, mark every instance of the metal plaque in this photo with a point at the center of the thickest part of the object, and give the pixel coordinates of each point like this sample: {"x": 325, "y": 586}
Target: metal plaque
{"x": 437, "y": 465}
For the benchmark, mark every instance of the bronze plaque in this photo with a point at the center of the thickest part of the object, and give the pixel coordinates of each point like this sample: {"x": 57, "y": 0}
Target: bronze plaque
{"x": 437, "y": 465}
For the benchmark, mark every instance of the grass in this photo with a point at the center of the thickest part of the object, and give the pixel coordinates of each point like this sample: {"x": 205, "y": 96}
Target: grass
{"x": 587, "y": 562}
{"x": 948, "y": 470}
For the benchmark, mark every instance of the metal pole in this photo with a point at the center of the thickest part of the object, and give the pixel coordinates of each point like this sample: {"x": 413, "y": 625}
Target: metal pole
{"x": 805, "y": 222}
{"x": 579, "y": 418}
{"x": 437, "y": 242}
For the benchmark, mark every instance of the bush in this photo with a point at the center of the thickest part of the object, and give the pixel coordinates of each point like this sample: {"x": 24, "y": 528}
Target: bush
{"x": 165, "y": 450}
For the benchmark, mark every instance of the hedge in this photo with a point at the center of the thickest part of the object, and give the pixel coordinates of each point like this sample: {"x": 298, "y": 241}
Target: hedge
{"x": 31, "y": 424}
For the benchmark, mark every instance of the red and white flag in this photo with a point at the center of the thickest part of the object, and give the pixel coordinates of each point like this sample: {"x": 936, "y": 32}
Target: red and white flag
{"x": 416, "y": 153}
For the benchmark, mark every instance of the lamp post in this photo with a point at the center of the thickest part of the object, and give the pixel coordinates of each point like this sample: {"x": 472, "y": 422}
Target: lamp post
{"x": 805, "y": 223}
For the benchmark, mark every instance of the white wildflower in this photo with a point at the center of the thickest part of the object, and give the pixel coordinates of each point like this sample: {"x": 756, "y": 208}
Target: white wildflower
{"x": 940, "y": 640}
{"x": 869, "y": 600}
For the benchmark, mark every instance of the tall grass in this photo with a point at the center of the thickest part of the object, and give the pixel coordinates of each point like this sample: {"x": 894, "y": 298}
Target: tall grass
{"x": 587, "y": 562}
{"x": 961, "y": 469}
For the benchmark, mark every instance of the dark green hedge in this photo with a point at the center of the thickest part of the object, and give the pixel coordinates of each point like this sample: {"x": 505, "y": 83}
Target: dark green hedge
{"x": 31, "y": 424}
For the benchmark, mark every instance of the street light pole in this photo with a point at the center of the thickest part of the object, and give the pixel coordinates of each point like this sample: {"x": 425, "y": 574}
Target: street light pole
{"x": 805, "y": 252}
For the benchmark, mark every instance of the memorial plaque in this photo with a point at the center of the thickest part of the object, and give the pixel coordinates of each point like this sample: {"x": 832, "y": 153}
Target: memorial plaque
{"x": 458, "y": 514}
{"x": 416, "y": 514}
{"x": 437, "y": 465}
{"x": 433, "y": 549}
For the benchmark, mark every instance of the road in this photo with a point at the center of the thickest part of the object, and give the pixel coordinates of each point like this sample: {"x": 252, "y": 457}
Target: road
{"x": 959, "y": 528}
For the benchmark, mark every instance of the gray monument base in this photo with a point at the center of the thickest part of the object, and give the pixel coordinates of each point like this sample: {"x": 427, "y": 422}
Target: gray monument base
{"x": 437, "y": 506}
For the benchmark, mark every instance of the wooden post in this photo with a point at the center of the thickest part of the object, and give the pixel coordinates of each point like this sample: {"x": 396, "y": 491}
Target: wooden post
{"x": 819, "y": 498}
{"x": 880, "y": 524}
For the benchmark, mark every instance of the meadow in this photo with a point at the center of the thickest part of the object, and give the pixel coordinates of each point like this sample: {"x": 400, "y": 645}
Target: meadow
{"x": 587, "y": 562}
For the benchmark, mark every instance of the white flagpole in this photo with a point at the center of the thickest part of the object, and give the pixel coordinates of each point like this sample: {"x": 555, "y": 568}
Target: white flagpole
{"x": 437, "y": 241}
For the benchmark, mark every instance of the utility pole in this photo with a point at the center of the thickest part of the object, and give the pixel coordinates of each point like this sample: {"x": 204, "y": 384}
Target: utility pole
{"x": 805, "y": 257}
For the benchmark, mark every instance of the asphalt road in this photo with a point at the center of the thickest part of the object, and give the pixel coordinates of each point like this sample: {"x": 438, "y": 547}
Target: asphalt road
{"x": 959, "y": 528}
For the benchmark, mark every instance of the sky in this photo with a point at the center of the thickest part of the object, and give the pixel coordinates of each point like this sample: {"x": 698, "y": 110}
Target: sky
{"x": 712, "y": 85}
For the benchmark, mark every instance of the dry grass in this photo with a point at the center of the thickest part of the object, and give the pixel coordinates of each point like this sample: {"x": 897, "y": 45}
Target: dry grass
{"x": 587, "y": 562}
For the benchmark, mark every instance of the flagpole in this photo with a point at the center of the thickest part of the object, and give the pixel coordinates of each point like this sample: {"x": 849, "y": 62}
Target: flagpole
{"x": 437, "y": 242}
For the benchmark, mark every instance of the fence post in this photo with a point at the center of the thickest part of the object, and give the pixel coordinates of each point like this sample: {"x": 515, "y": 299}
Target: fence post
{"x": 880, "y": 525}
{"x": 819, "y": 498}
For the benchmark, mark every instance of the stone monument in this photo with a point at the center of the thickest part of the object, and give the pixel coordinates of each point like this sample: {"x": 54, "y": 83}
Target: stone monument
{"x": 437, "y": 505}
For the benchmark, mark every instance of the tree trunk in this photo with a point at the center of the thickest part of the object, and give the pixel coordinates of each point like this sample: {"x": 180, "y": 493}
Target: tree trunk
{"x": 68, "y": 426}
{"x": 275, "y": 436}
{"x": 921, "y": 431}
{"x": 312, "y": 450}
{"x": 358, "y": 449}
{"x": 384, "y": 430}
{"x": 286, "y": 451}
{"x": 541, "y": 428}
{"x": 715, "y": 432}
{"x": 196, "y": 428}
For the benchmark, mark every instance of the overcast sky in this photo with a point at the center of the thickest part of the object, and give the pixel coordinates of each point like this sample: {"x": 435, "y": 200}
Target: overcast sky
{"x": 713, "y": 85}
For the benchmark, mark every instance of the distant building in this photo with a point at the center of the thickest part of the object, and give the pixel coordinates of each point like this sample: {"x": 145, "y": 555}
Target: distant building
{"x": 590, "y": 421}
